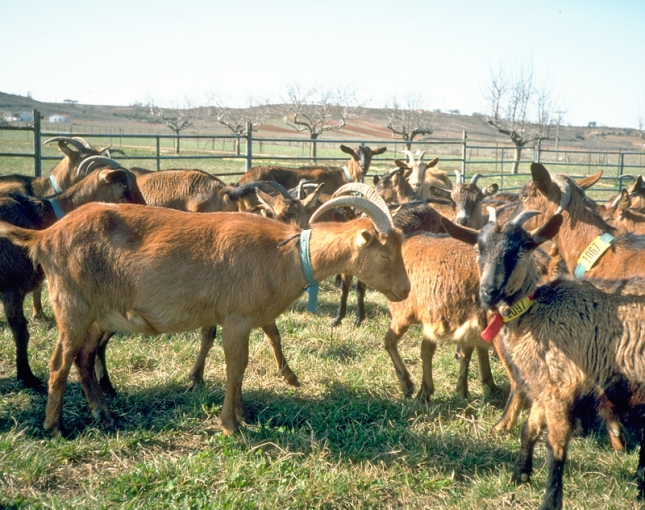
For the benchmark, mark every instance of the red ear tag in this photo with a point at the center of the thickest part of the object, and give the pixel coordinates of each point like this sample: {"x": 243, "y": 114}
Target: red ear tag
{"x": 493, "y": 328}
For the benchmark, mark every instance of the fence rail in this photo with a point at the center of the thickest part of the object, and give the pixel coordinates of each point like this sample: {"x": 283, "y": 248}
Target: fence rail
{"x": 493, "y": 160}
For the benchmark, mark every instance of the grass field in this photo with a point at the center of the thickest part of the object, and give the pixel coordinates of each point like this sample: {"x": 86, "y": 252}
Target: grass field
{"x": 345, "y": 439}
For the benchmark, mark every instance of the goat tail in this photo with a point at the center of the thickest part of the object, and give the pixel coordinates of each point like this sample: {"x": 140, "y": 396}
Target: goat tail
{"x": 23, "y": 237}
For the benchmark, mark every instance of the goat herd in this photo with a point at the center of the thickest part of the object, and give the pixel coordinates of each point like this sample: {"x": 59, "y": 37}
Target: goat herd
{"x": 566, "y": 325}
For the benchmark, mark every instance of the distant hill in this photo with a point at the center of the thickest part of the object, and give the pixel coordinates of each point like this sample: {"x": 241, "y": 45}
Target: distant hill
{"x": 369, "y": 124}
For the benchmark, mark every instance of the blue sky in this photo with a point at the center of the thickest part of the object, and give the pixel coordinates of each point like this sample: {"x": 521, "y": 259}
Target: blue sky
{"x": 590, "y": 55}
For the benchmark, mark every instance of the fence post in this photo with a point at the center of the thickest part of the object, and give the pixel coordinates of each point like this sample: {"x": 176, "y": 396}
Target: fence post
{"x": 37, "y": 151}
{"x": 464, "y": 136}
{"x": 621, "y": 169}
{"x": 249, "y": 147}
{"x": 158, "y": 153}
{"x": 538, "y": 149}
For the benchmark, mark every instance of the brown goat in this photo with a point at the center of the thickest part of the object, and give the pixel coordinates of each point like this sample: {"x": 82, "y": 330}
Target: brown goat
{"x": 332, "y": 177}
{"x": 18, "y": 274}
{"x": 564, "y": 340}
{"x": 155, "y": 270}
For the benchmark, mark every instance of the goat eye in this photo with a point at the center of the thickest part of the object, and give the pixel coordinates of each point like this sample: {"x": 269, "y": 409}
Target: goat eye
{"x": 124, "y": 185}
{"x": 385, "y": 257}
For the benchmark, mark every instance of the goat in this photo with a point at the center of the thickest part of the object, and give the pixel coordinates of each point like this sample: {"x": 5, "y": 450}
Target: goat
{"x": 623, "y": 217}
{"x": 423, "y": 176}
{"x": 332, "y": 177}
{"x": 156, "y": 270}
{"x": 18, "y": 275}
{"x": 565, "y": 339}
{"x": 61, "y": 177}
{"x": 468, "y": 199}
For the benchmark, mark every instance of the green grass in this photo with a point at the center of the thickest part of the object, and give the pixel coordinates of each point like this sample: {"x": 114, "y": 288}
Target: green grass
{"x": 345, "y": 439}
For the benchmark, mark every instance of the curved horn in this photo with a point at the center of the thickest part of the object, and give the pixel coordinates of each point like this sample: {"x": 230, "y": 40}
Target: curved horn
{"x": 88, "y": 163}
{"x": 368, "y": 192}
{"x": 421, "y": 154}
{"x": 492, "y": 214}
{"x": 83, "y": 141}
{"x": 565, "y": 192}
{"x": 382, "y": 222}
{"x": 301, "y": 192}
{"x": 523, "y": 217}
{"x": 109, "y": 150}
{"x": 67, "y": 139}
{"x": 279, "y": 187}
{"x": 410, "y": 157}
{"x": 459, "y": 179}
{"x": 475, "y": 178}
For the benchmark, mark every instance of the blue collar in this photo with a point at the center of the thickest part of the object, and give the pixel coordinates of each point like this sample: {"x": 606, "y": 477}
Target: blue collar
{"x": 55, "y": 184}
{"x": 57, "y": 210}
{"x": 592, "y": 253}
{"x": 305, "y": 261}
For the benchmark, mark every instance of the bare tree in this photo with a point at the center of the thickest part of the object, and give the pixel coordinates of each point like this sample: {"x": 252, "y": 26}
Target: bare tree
{"x": 640, "y": 122}
{"x": 408, "y": 119}
{"x": 518, "y": 108}
{"x": 177, "y": 119}
{"x": 235, "y": 119}
{"x": 316, "y": 110}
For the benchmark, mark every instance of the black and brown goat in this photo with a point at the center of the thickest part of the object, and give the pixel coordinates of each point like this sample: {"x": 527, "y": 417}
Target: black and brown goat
{"x": 155, "y": 270}
{"x": 333, "y": 177}
{"x": 18, "y": 274}
{"x": 564, "y": 340}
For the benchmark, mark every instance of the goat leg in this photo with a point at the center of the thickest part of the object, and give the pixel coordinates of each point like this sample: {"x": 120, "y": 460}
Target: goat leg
{"x": 427, "y": 386}
{"x": 530, "y": 433}
{"x": 85, "y": 363}
{"x": 392, "y": 338}
{"x": 100, "y": 365}
{"x": 640, "y": 472}
{"x": 361, "y": 287}
{"x": 516, "y": 398}
{"x": 558, "y": 435}
{"x": 273, "y": 337}
{"x": 464, "y": 362}
{"x": 485, "y": 373}
{"x": 207, "y": 339}
{"x": 235, "y": 341}
{"x": 13, "y": 309}
{"x": 345, "y": 284}
{"x": 37, "y": 304}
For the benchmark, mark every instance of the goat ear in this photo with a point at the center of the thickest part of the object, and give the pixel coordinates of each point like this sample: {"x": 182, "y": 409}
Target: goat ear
{"x": 637, "y": 185}
{"x": 363, "y": 238}
{"x": 376, "y": 179}
{"x": 265, "y": 199}
{"x": 378, "y": 151}
{"x": 590, "y": 180}
{"x": 440, "y": 192}
{"x": 400, "y": 163}
{"x": 65, "y": 149}
{"x": 464, "y": 234}
{"x": 110, "y": 176}
{"x": 547, "y": 231}
{"x": 490, "y": 191}
{"x": 432, "y": 163}
{"x": 349, "y": 150}
{"x": 625, "y": 202}
{"x": 541, "y": 178}
{"x": 310, "y": 201}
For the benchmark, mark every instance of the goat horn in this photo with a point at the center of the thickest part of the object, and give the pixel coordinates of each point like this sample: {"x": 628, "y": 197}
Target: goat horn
{"x": 67, "y": 139}
{"x": 113, "y": 151}
{"x": 492, "y": 214}
{"x": 87, "y": 163}
{"x": 421, "y": 154}
{"x": 459, "y": 179}
{"x": 565, "y": 192}
{"x": 410, "y": 157}
{"x": 85, "y": 143}
{"x": 382, "y": 222}
{"x": 523, "y": 217}
{"x": 279, "y": 187}
{"x": 475, "y": 178}
{"x": 368, "y": 192}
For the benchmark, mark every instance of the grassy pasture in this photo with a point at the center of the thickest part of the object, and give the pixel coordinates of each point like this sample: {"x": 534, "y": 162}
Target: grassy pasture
{"x": 345, "y": 439}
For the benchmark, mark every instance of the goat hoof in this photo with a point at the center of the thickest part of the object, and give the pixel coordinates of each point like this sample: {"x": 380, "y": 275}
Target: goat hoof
{"x": 337, "y": 322}
{"x": 292, "y": 380}
{"x": 32, "y": 382}
{"x": 358, "y": 321}
{"x": 229, "y": 425}
{"x": 424, "y": 396}
{"x": 520, "y": 478}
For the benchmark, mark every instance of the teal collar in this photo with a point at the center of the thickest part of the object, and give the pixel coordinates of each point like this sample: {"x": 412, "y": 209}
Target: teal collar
{"x": 55, "y": 184}
{"x": 592, "y": 253}
{"x": 347, "y": 174}
{"x": 57, "y": 210}
{"x": 305, "y": 261}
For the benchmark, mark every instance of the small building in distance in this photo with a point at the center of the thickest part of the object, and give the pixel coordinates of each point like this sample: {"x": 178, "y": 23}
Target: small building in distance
{"x": 59, "y": 118}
